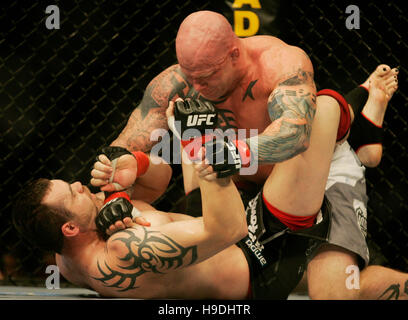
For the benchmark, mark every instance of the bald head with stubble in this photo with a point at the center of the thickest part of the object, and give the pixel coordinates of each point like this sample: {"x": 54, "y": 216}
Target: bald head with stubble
{"x": 204, "y": 40}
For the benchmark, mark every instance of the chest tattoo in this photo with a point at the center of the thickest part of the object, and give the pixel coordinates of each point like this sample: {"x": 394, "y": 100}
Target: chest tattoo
{"x": 248, "y": 92}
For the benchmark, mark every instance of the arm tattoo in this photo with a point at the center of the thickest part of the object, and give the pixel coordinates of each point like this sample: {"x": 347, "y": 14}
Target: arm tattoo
{"x": 161, "y": 90}
{"x": 300, "y": 77}
{"x": 150, "y": 114}
{"x": 393, "y": 291}
{"x": 154, "y": 252}
{"x": 292, "y": 113}
{"x": 137, "y": 137}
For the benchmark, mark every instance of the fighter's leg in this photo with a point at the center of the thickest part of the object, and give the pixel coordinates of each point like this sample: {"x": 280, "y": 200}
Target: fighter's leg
{"x": 333, "y": 274}
{"x": 327, "y": 274}
{"x": 190, "y": 181}
{"x": 377, "y": 282}
{"x": 327, "y": 271}
{"x": 297, "y": 186}
{"x": 192, "y": 200}
{"x": 381, "y": 85}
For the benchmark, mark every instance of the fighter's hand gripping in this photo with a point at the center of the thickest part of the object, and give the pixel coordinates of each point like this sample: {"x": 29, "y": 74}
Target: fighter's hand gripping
{"x": 117, "y": 169}
{"x": 192, "y": 121}
{"x": 227, "y": 156}
{"x": 117, "y": 214}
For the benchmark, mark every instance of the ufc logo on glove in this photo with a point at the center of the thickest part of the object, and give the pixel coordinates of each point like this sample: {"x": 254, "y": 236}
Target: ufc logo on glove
{"x": 198, "y": 119}
{"x": 234, "y": 154}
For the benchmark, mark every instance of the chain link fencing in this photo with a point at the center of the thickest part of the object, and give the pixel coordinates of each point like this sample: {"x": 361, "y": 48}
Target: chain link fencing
{"x": 66, "y": 92}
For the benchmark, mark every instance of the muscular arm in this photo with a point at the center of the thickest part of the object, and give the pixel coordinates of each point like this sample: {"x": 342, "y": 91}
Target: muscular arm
{"x": 291, "y": 108}
{"x": 134, "y": 252}
{"x": 150, "y": 186}
{"x": 150, "y": 114}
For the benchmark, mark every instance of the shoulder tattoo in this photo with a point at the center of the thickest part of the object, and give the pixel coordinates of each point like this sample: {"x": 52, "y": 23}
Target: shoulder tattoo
{"x": 152, "y": 252}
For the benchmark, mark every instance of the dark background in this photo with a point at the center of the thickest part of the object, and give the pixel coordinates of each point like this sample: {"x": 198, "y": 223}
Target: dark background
{"x": 65, "y": 93}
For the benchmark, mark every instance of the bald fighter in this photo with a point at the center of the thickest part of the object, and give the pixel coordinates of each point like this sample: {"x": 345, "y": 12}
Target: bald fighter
{"x": 255, "y": 83}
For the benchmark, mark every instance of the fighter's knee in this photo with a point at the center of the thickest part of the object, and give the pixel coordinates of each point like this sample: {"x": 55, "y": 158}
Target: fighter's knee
{"x": 333, "y": 274}
{"x": 337, "y": 287}
{"x": 328, "y": 108}
{"x": 370, "y": 155}
{"x": 327, "y": 102}
{"x": 341, "y": 104}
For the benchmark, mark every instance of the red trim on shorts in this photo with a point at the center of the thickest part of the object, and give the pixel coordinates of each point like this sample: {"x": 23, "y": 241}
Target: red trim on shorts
{"x": 345, "y": 117}
{"x": 292, "y": 222}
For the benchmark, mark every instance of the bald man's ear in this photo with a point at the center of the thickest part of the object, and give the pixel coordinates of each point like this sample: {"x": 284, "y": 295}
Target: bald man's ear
{"x": 235, "y": 54}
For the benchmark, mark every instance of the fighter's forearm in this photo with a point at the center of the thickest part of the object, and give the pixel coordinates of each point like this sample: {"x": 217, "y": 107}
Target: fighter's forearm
{"x": 223, "y": 210}
{"x": 289, "y": 133}
{"x": 151, "y": 112}
{"x": 136, "y": 136}
{"x": 151, "y": 185}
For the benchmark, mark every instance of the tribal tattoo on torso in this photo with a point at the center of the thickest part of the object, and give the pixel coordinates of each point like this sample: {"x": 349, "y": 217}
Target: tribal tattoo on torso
{"x": 151, "y": 252}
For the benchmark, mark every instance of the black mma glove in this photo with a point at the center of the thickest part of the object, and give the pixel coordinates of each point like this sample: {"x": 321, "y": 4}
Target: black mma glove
{"x": 113, "y": 152}
{"x": 193, "y": 114}
{"x": 116, "y": 207}
{"x": 227, "y": 156}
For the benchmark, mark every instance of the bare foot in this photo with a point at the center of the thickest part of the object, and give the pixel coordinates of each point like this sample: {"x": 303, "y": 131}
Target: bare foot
{"x": 381, "y": 84}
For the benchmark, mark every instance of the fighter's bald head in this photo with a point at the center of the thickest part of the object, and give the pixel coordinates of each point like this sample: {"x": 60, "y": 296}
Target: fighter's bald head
{"x": 204, "y": 39}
